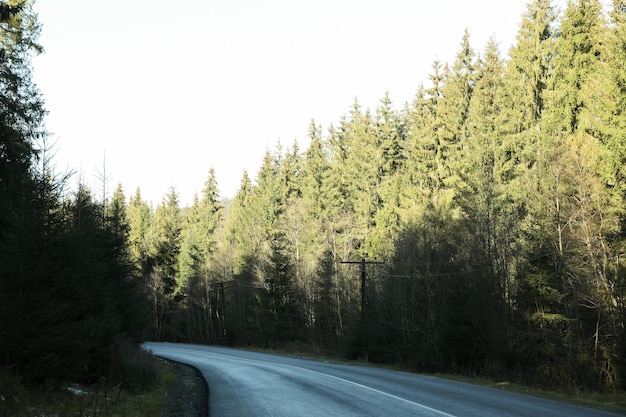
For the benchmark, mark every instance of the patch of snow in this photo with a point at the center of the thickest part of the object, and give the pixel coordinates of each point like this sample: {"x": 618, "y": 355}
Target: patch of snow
{"x": 75, "y": 390}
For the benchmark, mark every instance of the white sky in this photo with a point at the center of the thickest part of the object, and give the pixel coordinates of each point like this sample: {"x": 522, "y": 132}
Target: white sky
{"x": 170, "y": 89}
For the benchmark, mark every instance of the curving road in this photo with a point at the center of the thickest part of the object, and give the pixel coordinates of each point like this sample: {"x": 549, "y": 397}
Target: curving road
{"x": 243, "y": 383}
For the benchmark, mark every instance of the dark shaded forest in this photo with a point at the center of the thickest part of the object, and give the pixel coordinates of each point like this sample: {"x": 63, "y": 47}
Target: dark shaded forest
{"x": 490, "y": 210}
{"x": 71, "y": 304}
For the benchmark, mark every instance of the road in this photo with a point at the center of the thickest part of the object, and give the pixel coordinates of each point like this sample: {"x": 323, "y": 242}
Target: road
{"x": 243, "y": 383}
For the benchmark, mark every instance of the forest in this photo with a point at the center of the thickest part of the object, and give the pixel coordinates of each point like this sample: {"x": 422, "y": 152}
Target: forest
{"x": 479, "y": 229}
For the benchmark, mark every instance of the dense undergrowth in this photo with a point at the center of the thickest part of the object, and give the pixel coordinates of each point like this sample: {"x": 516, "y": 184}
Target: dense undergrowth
{"x": 137, "y": 389}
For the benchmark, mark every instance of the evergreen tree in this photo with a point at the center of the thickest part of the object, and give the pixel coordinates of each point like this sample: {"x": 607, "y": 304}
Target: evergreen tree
{"x": 290, "y": 173}
{"x": 363, "y": 169}
{"x": 577, "y": 51}
{"x": 453, "y": 110}
{"x": 165, "y": 241}
{"x": 336, "y": 194}
{"x": 526, "y": 83}
{"x": 237, "y": 237}
{"x": 198, "y": 242}
{"x": 391, "y": 137}
{"x": 423, "y": 157}
{"x": 21, "y": 106}
{"x": 190, "y": 255}
{"x": 116, "y": 215}
{"x": 529, "y": 66}
{"x": 139, "y": 216}
{"x": 603, "y": 115}
{"x": 485, "y": 198}
{"x": 243, "y": 247}
{"x": 315, "y": 167}
{"x": 391, "y": 142}
{"x": 164, "y": 284}
{"x": 197, "y": 235}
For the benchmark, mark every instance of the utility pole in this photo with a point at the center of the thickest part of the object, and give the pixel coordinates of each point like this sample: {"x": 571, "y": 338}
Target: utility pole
{"x": 363, "y": 264}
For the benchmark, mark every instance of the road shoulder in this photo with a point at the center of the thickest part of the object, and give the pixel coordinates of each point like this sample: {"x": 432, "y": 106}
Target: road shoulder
{"x": 188, "y": 396}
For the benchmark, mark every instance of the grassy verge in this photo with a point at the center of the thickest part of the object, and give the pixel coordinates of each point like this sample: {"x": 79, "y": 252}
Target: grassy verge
{"x": 90, "y": 400}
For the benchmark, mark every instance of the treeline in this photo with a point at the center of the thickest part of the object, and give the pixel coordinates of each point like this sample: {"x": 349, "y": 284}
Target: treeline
{"x": 71, "y": 303}
{"x": 495, "y": 200}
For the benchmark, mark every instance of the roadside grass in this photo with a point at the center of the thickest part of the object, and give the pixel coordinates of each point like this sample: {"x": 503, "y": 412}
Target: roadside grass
{"x": 90, "y": 400}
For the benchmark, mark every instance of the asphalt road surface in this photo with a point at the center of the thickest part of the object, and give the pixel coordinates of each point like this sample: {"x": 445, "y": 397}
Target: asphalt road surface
{"x": 243, "y": 383}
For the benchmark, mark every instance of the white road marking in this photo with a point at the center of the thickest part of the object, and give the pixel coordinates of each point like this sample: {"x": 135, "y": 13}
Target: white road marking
{"x": 395, "y": 397}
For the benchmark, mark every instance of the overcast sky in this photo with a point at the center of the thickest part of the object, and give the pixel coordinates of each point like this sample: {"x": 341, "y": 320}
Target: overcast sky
{"x": 169, "y": 89}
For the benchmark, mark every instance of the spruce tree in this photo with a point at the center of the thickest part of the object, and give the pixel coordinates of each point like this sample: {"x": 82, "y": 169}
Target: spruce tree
{"x": 364, "y": 170}
{"x": 165, "y": 288}
{"x": 198, "y": 233}
{"x": 237, "y": 239}
{"x": 139, "y": 216}
{"x": 528, "y": 67}
{"x": 422, "y": 151}
{"x": 315, "y": 167}
{"x": 454, "y": 109}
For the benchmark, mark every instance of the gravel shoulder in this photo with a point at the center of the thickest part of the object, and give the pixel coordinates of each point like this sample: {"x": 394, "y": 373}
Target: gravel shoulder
{"x": 189, "y": 394}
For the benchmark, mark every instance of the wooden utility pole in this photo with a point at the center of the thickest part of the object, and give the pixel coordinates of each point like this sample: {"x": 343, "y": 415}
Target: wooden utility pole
{"x": 363, "y": 264}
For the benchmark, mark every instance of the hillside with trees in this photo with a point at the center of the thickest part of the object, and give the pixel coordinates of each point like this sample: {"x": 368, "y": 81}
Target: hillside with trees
{"x": 492, "y": 203}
